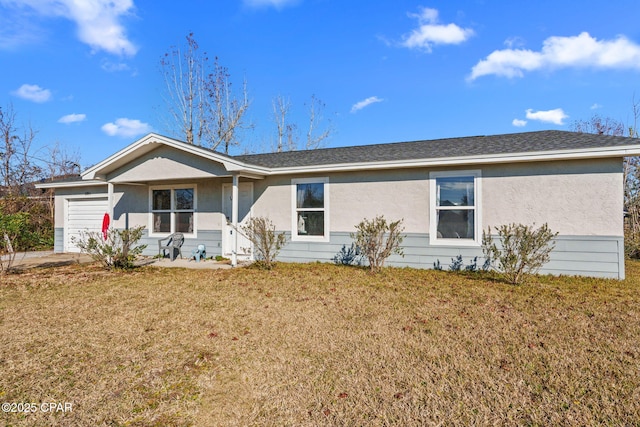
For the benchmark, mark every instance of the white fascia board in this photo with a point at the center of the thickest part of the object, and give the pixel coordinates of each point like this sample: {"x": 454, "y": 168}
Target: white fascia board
{"x": 589, "y": 153}
{"x": 135, "y": 149}
{"x": 71, "y": 184}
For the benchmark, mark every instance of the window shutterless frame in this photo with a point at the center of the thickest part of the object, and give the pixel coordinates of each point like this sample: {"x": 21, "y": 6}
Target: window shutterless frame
{"x": 172, "y": 208}
{"x": 455, "y": 215}
{"x": 310, "y": 209}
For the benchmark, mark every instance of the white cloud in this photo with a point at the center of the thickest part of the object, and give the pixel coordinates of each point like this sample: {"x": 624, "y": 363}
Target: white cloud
{"x": 126, "y": 128}
{"x": 113, "y": 67}
{"x": 556, "y": 116}
{"x": 365, "y": 103}
{"x": 519, "y": 123}
{"x": 596, "y": 106}
{"x": 72, "y": 118}
{"x": 430, "y": 32}
{"x": 561, "y": 52}
{"x": 98, "y": 21}
{"x": 32, "y": 93}
{"x": 277, "y": 4}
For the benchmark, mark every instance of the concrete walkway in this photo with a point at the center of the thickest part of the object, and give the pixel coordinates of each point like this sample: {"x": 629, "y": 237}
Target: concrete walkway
{"x": 32, "y": 259}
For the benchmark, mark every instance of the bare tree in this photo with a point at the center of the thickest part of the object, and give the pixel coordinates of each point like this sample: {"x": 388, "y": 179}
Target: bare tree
{"x": 9, "y": 142}
{"x": 61, "y": 164}
{"x": 184, "y": 79}
{"x": 21, "y": 166}
{"x": 17, "y": 167}
{"x": 287, "y": 138}
{"x": 631, "y": 172}
{"x": 286, "y": 133}
{"x": 599, "y": 126}
{"x": 315, "y": 108}
{"x": 200, "y": 100}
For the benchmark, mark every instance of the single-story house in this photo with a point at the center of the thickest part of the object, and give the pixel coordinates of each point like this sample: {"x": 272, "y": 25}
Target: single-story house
{"x": 447, "y": 191}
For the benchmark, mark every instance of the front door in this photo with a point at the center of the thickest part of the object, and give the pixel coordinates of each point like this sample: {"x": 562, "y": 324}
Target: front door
{"x": 245, "y": 201}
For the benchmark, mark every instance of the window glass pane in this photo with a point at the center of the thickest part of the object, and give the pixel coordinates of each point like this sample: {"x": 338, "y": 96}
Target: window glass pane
{"x": 184, "y": 222}
{"x": 456, "y": 224}
{"x": 310, "y": 195}
{"x": 161, "y": 200}
{"x": 455, "y": 191}
{"x": 162, "y": 222}
{"x": 310, "y": 223}
{"x": 184, "y": 198}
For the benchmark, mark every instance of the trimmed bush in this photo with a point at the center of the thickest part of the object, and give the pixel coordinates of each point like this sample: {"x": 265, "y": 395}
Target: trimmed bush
{"x": 377, "y": 239}
{"x": 266, "y": 243}
{"x": 118, "y": 251}
{"x": 523, "y": 250}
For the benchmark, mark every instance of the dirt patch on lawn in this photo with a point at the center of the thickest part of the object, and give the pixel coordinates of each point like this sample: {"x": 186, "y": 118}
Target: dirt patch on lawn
{"x": 47, "y": 260}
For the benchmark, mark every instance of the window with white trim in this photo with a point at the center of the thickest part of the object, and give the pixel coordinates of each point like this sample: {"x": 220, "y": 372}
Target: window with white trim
{"x": 310, "y": 201}
{"x": 455, "y": 213}
{"x": 173, "y": 209}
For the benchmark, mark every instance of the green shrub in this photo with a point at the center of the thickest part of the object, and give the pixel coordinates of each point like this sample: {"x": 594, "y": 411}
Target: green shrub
{"x": 523, "y": 250}
{"x": 348, "y": 256}
{"x": 377, "y": 239}
{"x": 12, "y": 227}
{"x": 38, "y": 232}
{"x": 266, "y": 243}
{"x": 118, "y": 251}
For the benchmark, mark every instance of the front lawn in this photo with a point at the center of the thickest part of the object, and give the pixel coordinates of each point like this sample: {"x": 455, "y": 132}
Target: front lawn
{"x": 317, "y": 345}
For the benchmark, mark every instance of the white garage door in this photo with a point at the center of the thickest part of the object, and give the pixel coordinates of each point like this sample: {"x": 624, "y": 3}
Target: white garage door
{"x": 83, "y": 215}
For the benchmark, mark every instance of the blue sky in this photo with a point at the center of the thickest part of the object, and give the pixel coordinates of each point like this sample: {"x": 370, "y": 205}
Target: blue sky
{"x": 86, "y": 74}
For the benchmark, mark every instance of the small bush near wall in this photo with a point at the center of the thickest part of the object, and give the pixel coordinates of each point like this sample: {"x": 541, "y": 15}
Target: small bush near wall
{"x": 12, "y": 227}
{"x": 118, "y": 251}
{"x": 348, "y": 256}
{"x": 523, "y": 250}
{"x": 261, "y": 232}
{"x": 378, "y": 239}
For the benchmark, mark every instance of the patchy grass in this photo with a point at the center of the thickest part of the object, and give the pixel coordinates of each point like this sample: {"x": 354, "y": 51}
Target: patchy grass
{"x": 318, "y": 345}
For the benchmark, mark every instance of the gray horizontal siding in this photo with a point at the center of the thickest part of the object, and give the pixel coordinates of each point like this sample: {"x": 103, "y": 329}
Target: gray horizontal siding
{"x": 58, "y": 240}
{"x": 212, "y": 239}
{"x": 598, "y": 256}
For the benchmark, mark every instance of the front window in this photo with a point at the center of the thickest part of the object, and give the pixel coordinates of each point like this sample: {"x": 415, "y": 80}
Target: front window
{"x": 454, "y": 207}
{"x": 310, "y": 207}
{"x": 173, "y": 210}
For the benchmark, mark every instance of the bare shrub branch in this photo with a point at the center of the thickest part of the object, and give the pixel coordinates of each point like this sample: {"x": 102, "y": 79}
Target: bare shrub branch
{"x": 523, "y": 250}
{"x": 378, "y": 239}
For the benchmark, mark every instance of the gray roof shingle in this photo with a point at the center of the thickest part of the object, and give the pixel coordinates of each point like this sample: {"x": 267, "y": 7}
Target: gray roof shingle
{"x": 526, "y": 142}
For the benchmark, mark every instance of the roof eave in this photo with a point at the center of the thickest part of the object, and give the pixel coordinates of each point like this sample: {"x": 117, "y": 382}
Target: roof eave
{"x": 135, "y": 149}
{"x": 71, "y": 184}
{"x": 623, "y": 151}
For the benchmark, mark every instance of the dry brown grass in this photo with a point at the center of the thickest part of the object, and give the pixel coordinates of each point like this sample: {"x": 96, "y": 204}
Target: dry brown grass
{"x": 307, "y": 345}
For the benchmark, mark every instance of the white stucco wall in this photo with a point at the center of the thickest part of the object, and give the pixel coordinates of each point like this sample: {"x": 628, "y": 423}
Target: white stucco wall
{"x": 166, "y": 163}
{"x": 579, "y": 197}
{"x": 352, "y": 197}
{"x": 574, "y": 198}
{"x": 132, "y": 203}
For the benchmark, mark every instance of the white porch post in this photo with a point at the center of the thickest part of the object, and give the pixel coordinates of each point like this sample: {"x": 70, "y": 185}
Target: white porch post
{"x": 110, "y": 200}
{"x": 234, "y": 220}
